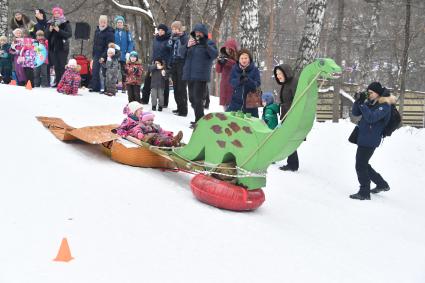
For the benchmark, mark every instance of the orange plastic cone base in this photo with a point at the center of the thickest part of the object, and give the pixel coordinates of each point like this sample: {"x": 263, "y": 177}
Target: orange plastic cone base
{"x": 28, "y": 85}
{"x": 12, "y": 82}
{"x": 64, "y": 253}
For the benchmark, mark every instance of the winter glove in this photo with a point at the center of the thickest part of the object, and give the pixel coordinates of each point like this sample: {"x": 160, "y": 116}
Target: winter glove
{"x": 244, "y": 76}
{"x": 222, "y": 60}
{"x": 360, "y": 97}
{"x": 140, "y": 136}
{"x": 127, "y": 56}
{"x": 135, "y": 70}
{"x": 163, "y": 73}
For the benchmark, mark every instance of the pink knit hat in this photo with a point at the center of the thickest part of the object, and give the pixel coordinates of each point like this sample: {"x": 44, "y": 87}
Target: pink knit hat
{"x": 58, "y": 9}
{"x": 147, "y": 116}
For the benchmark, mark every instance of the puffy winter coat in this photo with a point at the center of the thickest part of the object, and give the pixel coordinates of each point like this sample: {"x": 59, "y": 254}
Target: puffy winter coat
{"x": 127, "y": 125}
{"x": 124, "y": 40}
{"x": 199, "y": 58}
{"x": 243, "y": 86}
{"x": 58, "y": 40}
{"x": 225, "y": 69}
{"x": 70, "y": 81}
{"x": 289, "y": 87}
{"x": 41, "y": 24}
{"x": 134, "y": 73}
{"x": 162, "y": 48}
{"x": 270, "y": 113}
{"x": 375, "y": 116}
{"x": 101, "y": 40}
{"x": 5, "y": 57}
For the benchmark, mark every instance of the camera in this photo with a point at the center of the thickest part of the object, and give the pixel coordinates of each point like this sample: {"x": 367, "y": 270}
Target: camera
{"x": 361, "y": 96}
{"x": 222, "y": 59}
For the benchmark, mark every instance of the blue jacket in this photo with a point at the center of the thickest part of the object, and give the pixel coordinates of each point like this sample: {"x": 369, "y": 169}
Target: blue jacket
{"x": 6, "y": 58}
{"x": 374, "y": 119}
{"x": 124, "y": 41}
{"x": 199, "y": 58}
{"x": 101, "y": 41}
{"x": 242, "y": 87}
{"x": 161, "y": 48}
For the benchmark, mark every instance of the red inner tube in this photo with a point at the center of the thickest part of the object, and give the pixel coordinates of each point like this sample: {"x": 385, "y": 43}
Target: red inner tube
{"x": 225, "y": 195}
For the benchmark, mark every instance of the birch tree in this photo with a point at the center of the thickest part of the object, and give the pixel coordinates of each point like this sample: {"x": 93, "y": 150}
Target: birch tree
{"x": 4, "y": 7}
{"x": 308, "y": 48}
{"x": 250, "y": 37}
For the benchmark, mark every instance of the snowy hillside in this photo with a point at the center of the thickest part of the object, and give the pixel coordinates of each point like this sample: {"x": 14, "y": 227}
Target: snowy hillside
{"x": 129, "y": 225}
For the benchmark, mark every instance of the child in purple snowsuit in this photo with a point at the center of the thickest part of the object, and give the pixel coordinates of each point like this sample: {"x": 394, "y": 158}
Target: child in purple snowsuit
{"x": 134, "y": 111}
{"x": 153, "y": 134}
{"x": 15, "y": 50}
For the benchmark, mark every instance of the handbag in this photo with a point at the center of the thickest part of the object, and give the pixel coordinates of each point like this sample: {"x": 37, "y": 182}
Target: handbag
{"x": 253, "y": 99}
{"x": 354, "y": 135}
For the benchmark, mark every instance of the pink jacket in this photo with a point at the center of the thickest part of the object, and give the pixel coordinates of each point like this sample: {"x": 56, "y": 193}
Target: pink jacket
{"x": 70, "y": 82}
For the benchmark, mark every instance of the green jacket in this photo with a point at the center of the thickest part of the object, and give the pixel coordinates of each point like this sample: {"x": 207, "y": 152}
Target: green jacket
{"x": 270, "y": 113}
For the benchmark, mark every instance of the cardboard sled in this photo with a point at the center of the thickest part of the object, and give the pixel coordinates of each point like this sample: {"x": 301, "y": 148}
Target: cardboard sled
{"x": 119, "y": 150}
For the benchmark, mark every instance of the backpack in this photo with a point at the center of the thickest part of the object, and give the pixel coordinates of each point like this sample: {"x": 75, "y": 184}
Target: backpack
{"x": 394, "y": 122}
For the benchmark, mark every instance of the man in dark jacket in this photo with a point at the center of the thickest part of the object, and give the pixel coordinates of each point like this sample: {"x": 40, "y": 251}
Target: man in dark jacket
{"x": 179, "y": 38}
{"x": 284, "y": 76}
{"x": 58, "y": 32}
{"x": 103, "y": 35}
{"x": 199, "y": 54}
{"x": 376, "y": 112}
{"x": 161, "y": 49}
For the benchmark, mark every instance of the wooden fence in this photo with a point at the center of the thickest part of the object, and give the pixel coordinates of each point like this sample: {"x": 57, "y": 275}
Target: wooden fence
{"x": 414, "y": 105}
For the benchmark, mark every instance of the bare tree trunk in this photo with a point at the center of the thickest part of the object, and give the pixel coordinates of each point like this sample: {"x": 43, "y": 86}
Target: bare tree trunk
{"x": 336, "y": 100}
{"x": 235, "y": 22}
{"x": 405, "y": 58}
{"x": 250, "y": 29}
{"x": 4, "y": 7}
{"x": 269, "y": 48}
{"x": 307, "y": 50}
{"x": 371, "y": 41}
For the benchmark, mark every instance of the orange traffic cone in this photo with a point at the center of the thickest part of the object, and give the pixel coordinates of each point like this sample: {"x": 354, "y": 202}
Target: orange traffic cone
{"x": 64, "y": 253}
{"x": 28, "y": 85}
{"x": 12, "y": 82}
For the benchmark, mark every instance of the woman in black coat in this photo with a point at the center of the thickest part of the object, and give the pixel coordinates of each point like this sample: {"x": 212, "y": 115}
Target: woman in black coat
{"x": 58, "y": 32}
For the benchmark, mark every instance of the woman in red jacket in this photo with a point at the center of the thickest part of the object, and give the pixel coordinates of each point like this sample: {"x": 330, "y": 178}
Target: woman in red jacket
{"x": 225, "y": 62}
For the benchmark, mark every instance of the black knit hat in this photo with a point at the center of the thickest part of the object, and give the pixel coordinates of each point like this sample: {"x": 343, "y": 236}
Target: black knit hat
{"x": 163, "y": 27}
{"x": 376, "y": 87}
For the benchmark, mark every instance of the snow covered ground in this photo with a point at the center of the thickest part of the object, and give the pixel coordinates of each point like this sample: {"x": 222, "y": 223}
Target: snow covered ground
{"x": 127, "y": 224}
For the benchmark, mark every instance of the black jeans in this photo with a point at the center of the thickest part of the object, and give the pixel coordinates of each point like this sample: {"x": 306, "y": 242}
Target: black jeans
{"x": 95, "y": 80}
{"x": 365, "y": 172}
{"x": 197, "y": 94}
{"x": 41, "y": 77}
{"x": 146, "y": 90}
{"x": 179, "y": 86}
{"x": 293, "y": 161}
{"x": 133, "y": 92}
{"x": 29, "y": 73}
{"x": 123, "y": 74}
{"x": 59, "y": 59}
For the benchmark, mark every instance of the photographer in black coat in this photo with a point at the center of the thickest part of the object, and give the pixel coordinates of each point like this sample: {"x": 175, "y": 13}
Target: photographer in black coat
{"x": 58, "y": 32}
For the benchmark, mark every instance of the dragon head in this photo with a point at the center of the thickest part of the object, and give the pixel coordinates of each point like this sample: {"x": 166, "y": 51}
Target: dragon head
{"x": 328, "y": 68}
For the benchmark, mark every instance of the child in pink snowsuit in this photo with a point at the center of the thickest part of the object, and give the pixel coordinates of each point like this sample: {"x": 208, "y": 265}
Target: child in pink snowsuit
{"x": 152, "y": 133}
{"x": 134, "y": 111}
{"x": 70, "y": 81}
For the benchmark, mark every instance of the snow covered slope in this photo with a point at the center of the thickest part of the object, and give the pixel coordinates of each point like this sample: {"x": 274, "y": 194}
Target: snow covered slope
{"x": 127, "y": 224}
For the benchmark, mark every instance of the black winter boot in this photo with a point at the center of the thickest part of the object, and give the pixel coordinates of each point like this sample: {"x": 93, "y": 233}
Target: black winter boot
{"x": 360, "y": 197}
{"x": 287, "y": 168}
{"x": 379, "y": 189}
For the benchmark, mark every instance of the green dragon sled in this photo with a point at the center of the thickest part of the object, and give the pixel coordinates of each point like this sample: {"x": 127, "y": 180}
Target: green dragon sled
{"x": 234, "y": 148}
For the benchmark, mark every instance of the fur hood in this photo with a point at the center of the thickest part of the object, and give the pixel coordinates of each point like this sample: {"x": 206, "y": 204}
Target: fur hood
{"x": 387, "y": 99}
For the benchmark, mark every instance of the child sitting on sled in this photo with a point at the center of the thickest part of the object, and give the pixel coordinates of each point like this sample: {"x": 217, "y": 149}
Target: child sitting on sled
{"x": 153, "y": 134}
{"x": 134, "y": 111}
